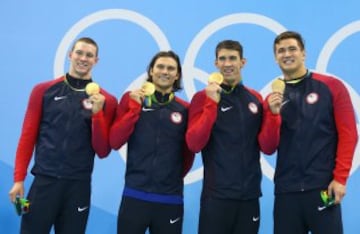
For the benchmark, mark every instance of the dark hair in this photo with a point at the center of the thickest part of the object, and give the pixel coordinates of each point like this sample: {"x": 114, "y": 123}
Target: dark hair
{"x": 230, "y": 45}
{"x": 170, "y": 54}
{"x": 87, "y": 40}
{"x": 290, "y": 35}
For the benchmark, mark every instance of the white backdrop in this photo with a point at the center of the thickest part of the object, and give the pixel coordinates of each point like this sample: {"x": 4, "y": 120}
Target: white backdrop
{"x": 36, "y": 36}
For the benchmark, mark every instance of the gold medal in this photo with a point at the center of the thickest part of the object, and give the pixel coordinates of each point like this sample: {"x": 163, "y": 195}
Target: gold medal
{"x": 278, "y": 86}
{"x": 148, "y": 88}
{"x": 92, "y": 88}
{"x": 216, "y": 77}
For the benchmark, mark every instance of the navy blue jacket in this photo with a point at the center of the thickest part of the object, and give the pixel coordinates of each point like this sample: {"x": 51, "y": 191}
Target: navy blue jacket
{"x": 157, "y": 157}
{"x": 65, "y": 133}
{"x": 317, "y": 136}
{"x": 227, "y": 135}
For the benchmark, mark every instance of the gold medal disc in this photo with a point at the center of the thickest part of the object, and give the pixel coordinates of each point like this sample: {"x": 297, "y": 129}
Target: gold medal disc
{"x": 92, "y": 88}
{"x": 216, "y": 77}
{"x": 278, "y": 86}
{"x": 148, "y": 88}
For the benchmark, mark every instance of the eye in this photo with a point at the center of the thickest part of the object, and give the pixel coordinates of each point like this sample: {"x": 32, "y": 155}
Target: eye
{"x": 281, "y": 50}
{"x": 232, "y": 58}
{"x": 222, "y": 58}
{"x": 90, "y": 55}
{"x": 160, "y": 66}
{"x": 79, "y": 52}
{"x": 171, "y": 68}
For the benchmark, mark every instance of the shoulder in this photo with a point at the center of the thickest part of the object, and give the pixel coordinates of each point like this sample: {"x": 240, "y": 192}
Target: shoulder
{"x": 182, "y": 102}
{"x": 108, "y": 95}
{"x": 200, "y": 95}
{"x": 41, "y": 87}
{"x": 331, "y": 81}
{"x": 254, "y": 93}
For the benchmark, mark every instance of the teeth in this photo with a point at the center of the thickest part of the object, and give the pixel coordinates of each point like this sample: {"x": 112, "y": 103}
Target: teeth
{"x": 288, "y": 61}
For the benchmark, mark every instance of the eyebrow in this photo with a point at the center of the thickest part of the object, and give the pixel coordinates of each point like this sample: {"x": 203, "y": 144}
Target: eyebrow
{"x": 231, "y": 57}
{"x": 168, "y": 67}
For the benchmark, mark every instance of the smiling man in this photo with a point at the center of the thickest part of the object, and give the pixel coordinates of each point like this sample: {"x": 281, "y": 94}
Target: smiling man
{"x": 67, "y": 127}
{"x": 225, "y": 124}
{"x": 317, "y": 138}
{"x": 154, "y": 126}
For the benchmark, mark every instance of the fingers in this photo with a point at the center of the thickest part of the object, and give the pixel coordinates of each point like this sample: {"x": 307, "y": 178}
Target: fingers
{"x": 275, "y": 102}
{"x": 137, "y": 95}
{"x": 16, "y": 190}
{"x": 12, "y": 196}
{"x": 97, "y": 101}
{"x": 339, "y": 195}
{"x": 213, "y": 91}
{"x": 338, "y": 190}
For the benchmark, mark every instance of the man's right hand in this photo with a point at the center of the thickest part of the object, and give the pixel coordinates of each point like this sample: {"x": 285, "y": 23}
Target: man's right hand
{"x": 138, "y": 95}
{"x": 275, "y": 100}
{"x": 213, "y": 91}
{"x": 17, "y": 190}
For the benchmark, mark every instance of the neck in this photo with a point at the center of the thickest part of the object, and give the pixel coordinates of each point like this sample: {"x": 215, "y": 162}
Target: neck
{"x": 162, "y": 98}
{"x": 232, "y": 82}
{"x": 76, "y": 75}
{"x": 296, "y": 79}
{"x": 163, "y": 91}
{"x": 295, "y": 75}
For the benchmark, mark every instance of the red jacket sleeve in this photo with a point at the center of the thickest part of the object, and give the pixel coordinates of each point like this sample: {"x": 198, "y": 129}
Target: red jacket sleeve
{"x": 269, "y": 136}
{"x": 202, "y": 116}
{"x": 30, "y": 130}
{"x": 346, "y": 127}
{"x": 188, "y": 160}
{"x": 127, "y": 114}
{"x": 101, "y": 123}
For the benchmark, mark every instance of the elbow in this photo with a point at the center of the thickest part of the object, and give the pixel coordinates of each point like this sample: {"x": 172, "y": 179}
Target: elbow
{"x": 114, "y": 140}
{"x": 193, "y": 147}
{"x": 268, "y": 151}
{"x": 103, "y": 153}
{"x": 268, "y": 148}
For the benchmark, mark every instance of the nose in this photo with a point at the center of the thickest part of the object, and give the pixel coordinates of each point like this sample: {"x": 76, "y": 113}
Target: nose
{"x": 287, "y": 52}
{"x": 83, "y": 57}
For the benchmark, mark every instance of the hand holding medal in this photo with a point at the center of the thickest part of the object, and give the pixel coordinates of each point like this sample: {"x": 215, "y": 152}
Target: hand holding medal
{"x": 278, "y": 86}
{"x": 213, "y": 89}
{"x": 91, "y": 89}
{"x": 216, "y": 77}
{"x": 275, "y": 100}
{"x": 149, "y": 89}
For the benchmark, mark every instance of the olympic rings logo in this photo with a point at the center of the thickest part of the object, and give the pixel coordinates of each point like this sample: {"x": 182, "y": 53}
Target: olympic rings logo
{"x": 189, "y": 69}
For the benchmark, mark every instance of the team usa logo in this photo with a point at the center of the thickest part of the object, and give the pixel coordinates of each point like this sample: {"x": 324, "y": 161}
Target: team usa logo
{"x": 176, "y": 117}
{"x": 87, "y": 104}
{"x": 312, "y": 98}
{"x": 253, "y": 108}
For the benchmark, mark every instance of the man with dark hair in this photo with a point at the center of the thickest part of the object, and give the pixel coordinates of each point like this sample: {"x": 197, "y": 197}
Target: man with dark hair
{"x": 225, "y": 124}
{"x": 67, "y": 127}
{"x": 153, "y": 125}
{"x": 316, "y": 136}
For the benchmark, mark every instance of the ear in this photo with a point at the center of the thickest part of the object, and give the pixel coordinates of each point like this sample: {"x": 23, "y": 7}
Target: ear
{"x": 177, "y": 76}
{"x": 243, "y": 62}
{"x": 216, "y": 63}
{"x": 304, "y": 55}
